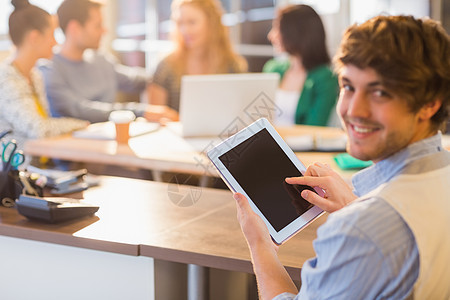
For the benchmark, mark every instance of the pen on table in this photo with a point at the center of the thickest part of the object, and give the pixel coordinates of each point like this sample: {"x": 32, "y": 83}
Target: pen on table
{"x": 4, "y": 133}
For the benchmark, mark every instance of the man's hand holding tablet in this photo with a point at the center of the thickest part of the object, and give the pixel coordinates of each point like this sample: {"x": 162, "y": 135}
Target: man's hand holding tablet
{"x": 337, "y": 192}
{"x": 255, "y": 163}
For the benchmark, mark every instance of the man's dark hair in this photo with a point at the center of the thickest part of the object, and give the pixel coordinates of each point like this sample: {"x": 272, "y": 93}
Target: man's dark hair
{"x": 77, "y": 10}
{"x": 412, "y": 57}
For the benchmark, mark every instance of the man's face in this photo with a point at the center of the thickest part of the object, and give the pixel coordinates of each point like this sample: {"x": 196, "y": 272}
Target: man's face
{"x": 92, "y": 30}
{"x": 378, "y": 122}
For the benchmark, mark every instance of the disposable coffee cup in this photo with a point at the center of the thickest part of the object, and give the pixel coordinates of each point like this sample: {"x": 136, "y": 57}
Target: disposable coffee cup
{"x": 122, "y": 120}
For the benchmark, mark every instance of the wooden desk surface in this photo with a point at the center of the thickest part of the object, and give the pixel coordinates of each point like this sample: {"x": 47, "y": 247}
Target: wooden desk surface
{"x": 166, "y": 150}
{"x": 142, "y": 218}
{"x": 160, "y": 150}
{"x": 163, "y": 150}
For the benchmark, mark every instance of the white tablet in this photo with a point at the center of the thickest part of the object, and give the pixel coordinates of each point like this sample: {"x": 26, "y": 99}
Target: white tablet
{"x": 255, "y": 162}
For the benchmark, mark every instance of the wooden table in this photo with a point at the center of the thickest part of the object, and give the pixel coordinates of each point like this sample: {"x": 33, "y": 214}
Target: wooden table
{"x": 137, "y": 221}
{"x": 166, "y": 151}
{"x": 163, "y": 150}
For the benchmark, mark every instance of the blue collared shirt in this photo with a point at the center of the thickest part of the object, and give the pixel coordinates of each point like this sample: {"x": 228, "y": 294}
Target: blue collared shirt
{"x": 366, "y": 250}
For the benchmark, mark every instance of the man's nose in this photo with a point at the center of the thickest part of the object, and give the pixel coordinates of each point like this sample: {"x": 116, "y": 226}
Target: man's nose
{"x": 359, "y": 105}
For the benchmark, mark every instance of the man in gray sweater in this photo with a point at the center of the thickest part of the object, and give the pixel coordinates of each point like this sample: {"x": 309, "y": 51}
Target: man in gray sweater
{"x": 83, "y": 83}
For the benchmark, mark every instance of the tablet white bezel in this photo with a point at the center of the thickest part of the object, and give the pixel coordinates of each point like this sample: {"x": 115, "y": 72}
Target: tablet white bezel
{"x": 300, "y": 222}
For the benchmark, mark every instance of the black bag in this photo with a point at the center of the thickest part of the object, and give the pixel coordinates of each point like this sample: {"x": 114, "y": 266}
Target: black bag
{"x": 10, "y": 187}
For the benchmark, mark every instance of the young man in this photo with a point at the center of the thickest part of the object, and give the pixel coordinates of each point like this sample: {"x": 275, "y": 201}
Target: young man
{"x": 389, "y": 238}
{"x": 83, "y": 83}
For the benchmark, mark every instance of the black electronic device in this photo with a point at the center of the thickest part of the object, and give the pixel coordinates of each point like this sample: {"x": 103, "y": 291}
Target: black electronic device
{"x": 53, "y": 209}
{"x": 255, "y": 162}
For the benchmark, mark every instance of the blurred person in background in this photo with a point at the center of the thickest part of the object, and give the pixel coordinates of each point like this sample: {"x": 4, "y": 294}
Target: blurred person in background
{"x": 202, "y": 46}
{"x": 23, "y": 102}
{"x": 308, "y": 89}
{"x": 83, "y": 83}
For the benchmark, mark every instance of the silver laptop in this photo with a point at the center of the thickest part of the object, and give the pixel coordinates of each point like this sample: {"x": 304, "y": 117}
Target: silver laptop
{"x": 221, "y": 105}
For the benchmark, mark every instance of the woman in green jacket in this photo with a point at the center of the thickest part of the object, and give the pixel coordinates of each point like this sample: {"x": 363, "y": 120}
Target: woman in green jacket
{"x": 308, "y": 89}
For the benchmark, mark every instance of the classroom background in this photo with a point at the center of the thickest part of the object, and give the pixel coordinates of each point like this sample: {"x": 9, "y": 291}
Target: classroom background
{"x": 138, "y": 34}
{"x": 138, "y": 30}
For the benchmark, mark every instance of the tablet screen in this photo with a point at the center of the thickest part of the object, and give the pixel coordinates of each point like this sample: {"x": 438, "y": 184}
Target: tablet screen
{"x": 261, "y": 167}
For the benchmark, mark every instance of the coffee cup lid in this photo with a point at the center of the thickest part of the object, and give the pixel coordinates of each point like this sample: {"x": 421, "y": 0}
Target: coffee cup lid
{"x": 122, "y": 116}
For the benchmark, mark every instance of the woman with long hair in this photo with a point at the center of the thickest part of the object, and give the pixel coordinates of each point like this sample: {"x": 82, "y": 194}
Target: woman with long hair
{"x": 202, "y": 46}
{"x": 308, "y": 89}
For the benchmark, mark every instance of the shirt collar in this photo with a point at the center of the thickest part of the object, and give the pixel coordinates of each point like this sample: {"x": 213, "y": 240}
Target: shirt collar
{"x": 370, "y": 178}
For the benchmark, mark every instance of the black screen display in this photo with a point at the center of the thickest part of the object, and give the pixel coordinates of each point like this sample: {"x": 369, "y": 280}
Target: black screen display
{"x": 260, "y": 166}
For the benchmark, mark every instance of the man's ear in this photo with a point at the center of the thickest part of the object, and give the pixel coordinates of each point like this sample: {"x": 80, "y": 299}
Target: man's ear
{"x": 429, "y": 110}
{"x": 73, "y": 27}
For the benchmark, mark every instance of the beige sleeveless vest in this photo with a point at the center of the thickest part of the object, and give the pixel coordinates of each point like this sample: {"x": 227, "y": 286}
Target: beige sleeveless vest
{"x": 423, "y": 201}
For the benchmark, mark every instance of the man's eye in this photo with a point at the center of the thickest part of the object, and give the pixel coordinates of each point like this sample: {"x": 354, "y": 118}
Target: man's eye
{"x": 381, "y": 93}
{"x": 347, "y": 87}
